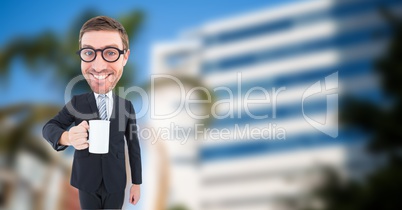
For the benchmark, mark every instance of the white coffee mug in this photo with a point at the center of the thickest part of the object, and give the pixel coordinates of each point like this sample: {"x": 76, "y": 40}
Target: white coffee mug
{"x": 99, "y": 136}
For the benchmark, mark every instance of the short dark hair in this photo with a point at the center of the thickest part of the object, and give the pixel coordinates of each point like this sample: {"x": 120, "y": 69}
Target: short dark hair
{"x": 104, "y": 23}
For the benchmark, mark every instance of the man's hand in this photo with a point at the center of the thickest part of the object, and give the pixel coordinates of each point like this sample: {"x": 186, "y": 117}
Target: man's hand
{"x": 134, "y": 194}
{"x": 78, "y": 136}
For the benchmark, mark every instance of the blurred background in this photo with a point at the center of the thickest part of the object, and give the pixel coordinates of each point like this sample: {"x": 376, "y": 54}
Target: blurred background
{"x": 340, "y": 146}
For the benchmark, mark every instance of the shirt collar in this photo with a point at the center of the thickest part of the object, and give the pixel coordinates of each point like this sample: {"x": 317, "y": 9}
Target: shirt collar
{"x": 108, "y": 94}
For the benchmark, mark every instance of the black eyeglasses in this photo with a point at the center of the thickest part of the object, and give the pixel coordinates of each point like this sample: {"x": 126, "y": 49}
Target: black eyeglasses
{"x": 109, "y": 54}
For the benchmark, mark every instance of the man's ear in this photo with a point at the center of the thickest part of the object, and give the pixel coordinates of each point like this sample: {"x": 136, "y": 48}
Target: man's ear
{"x": 126, "y": 55}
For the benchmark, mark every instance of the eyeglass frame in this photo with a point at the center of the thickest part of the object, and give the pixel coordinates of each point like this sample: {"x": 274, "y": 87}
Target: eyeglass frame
{"x": 101, "y": 50}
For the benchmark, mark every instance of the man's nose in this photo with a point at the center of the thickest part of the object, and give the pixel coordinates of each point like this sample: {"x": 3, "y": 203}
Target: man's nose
{"x": 99, "y": 64}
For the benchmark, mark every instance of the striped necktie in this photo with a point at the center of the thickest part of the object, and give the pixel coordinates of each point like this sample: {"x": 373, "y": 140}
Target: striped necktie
{"x": 102, "y": 107}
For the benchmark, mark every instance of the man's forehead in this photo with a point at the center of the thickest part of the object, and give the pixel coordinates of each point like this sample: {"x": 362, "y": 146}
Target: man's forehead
{"x": 99, "y": 39}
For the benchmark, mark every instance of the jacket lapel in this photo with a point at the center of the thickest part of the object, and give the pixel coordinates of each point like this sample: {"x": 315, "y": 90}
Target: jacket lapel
{"x": 113, "y": 117}
{"x": 92, "y": 104}
{"x": 115, "y": 105}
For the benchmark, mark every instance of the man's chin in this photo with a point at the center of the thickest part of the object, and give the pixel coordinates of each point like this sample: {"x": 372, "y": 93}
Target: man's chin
{"x": 100, "y": 90}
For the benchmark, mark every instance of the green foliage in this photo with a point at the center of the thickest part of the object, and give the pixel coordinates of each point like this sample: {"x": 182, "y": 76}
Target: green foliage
{"x": 178, "y": 207}
{"x": 382, "y": 188}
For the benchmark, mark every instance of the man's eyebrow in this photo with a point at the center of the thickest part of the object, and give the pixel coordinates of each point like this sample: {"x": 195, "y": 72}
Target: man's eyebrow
{"x": 89, "y": 46}
{"x": 85, "y": 46}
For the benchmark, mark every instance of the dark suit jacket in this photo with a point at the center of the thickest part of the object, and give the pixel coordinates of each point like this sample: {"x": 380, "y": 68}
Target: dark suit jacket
{"x": 89, "y": 169}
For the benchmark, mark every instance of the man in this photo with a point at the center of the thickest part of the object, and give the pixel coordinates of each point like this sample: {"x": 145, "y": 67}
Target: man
{"x": 100, "y": 178}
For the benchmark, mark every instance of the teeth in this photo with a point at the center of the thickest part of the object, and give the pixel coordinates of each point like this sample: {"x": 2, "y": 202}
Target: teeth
{"x": 100, "y": 76}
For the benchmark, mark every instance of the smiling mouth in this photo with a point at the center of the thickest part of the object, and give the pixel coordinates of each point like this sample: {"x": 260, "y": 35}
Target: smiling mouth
{"x": 101, "y": 76}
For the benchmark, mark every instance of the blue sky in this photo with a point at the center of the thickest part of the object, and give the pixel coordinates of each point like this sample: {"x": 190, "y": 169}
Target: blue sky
{"x": 164, "y": 21}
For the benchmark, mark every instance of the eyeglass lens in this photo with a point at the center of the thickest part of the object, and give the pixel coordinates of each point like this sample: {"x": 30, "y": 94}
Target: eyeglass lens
{"x": 109, "y": 54}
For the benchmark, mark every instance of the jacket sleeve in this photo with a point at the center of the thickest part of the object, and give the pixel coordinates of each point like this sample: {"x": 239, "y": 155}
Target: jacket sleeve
{"x": 133, "y": 144}
{"x": 53, "y": 129}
